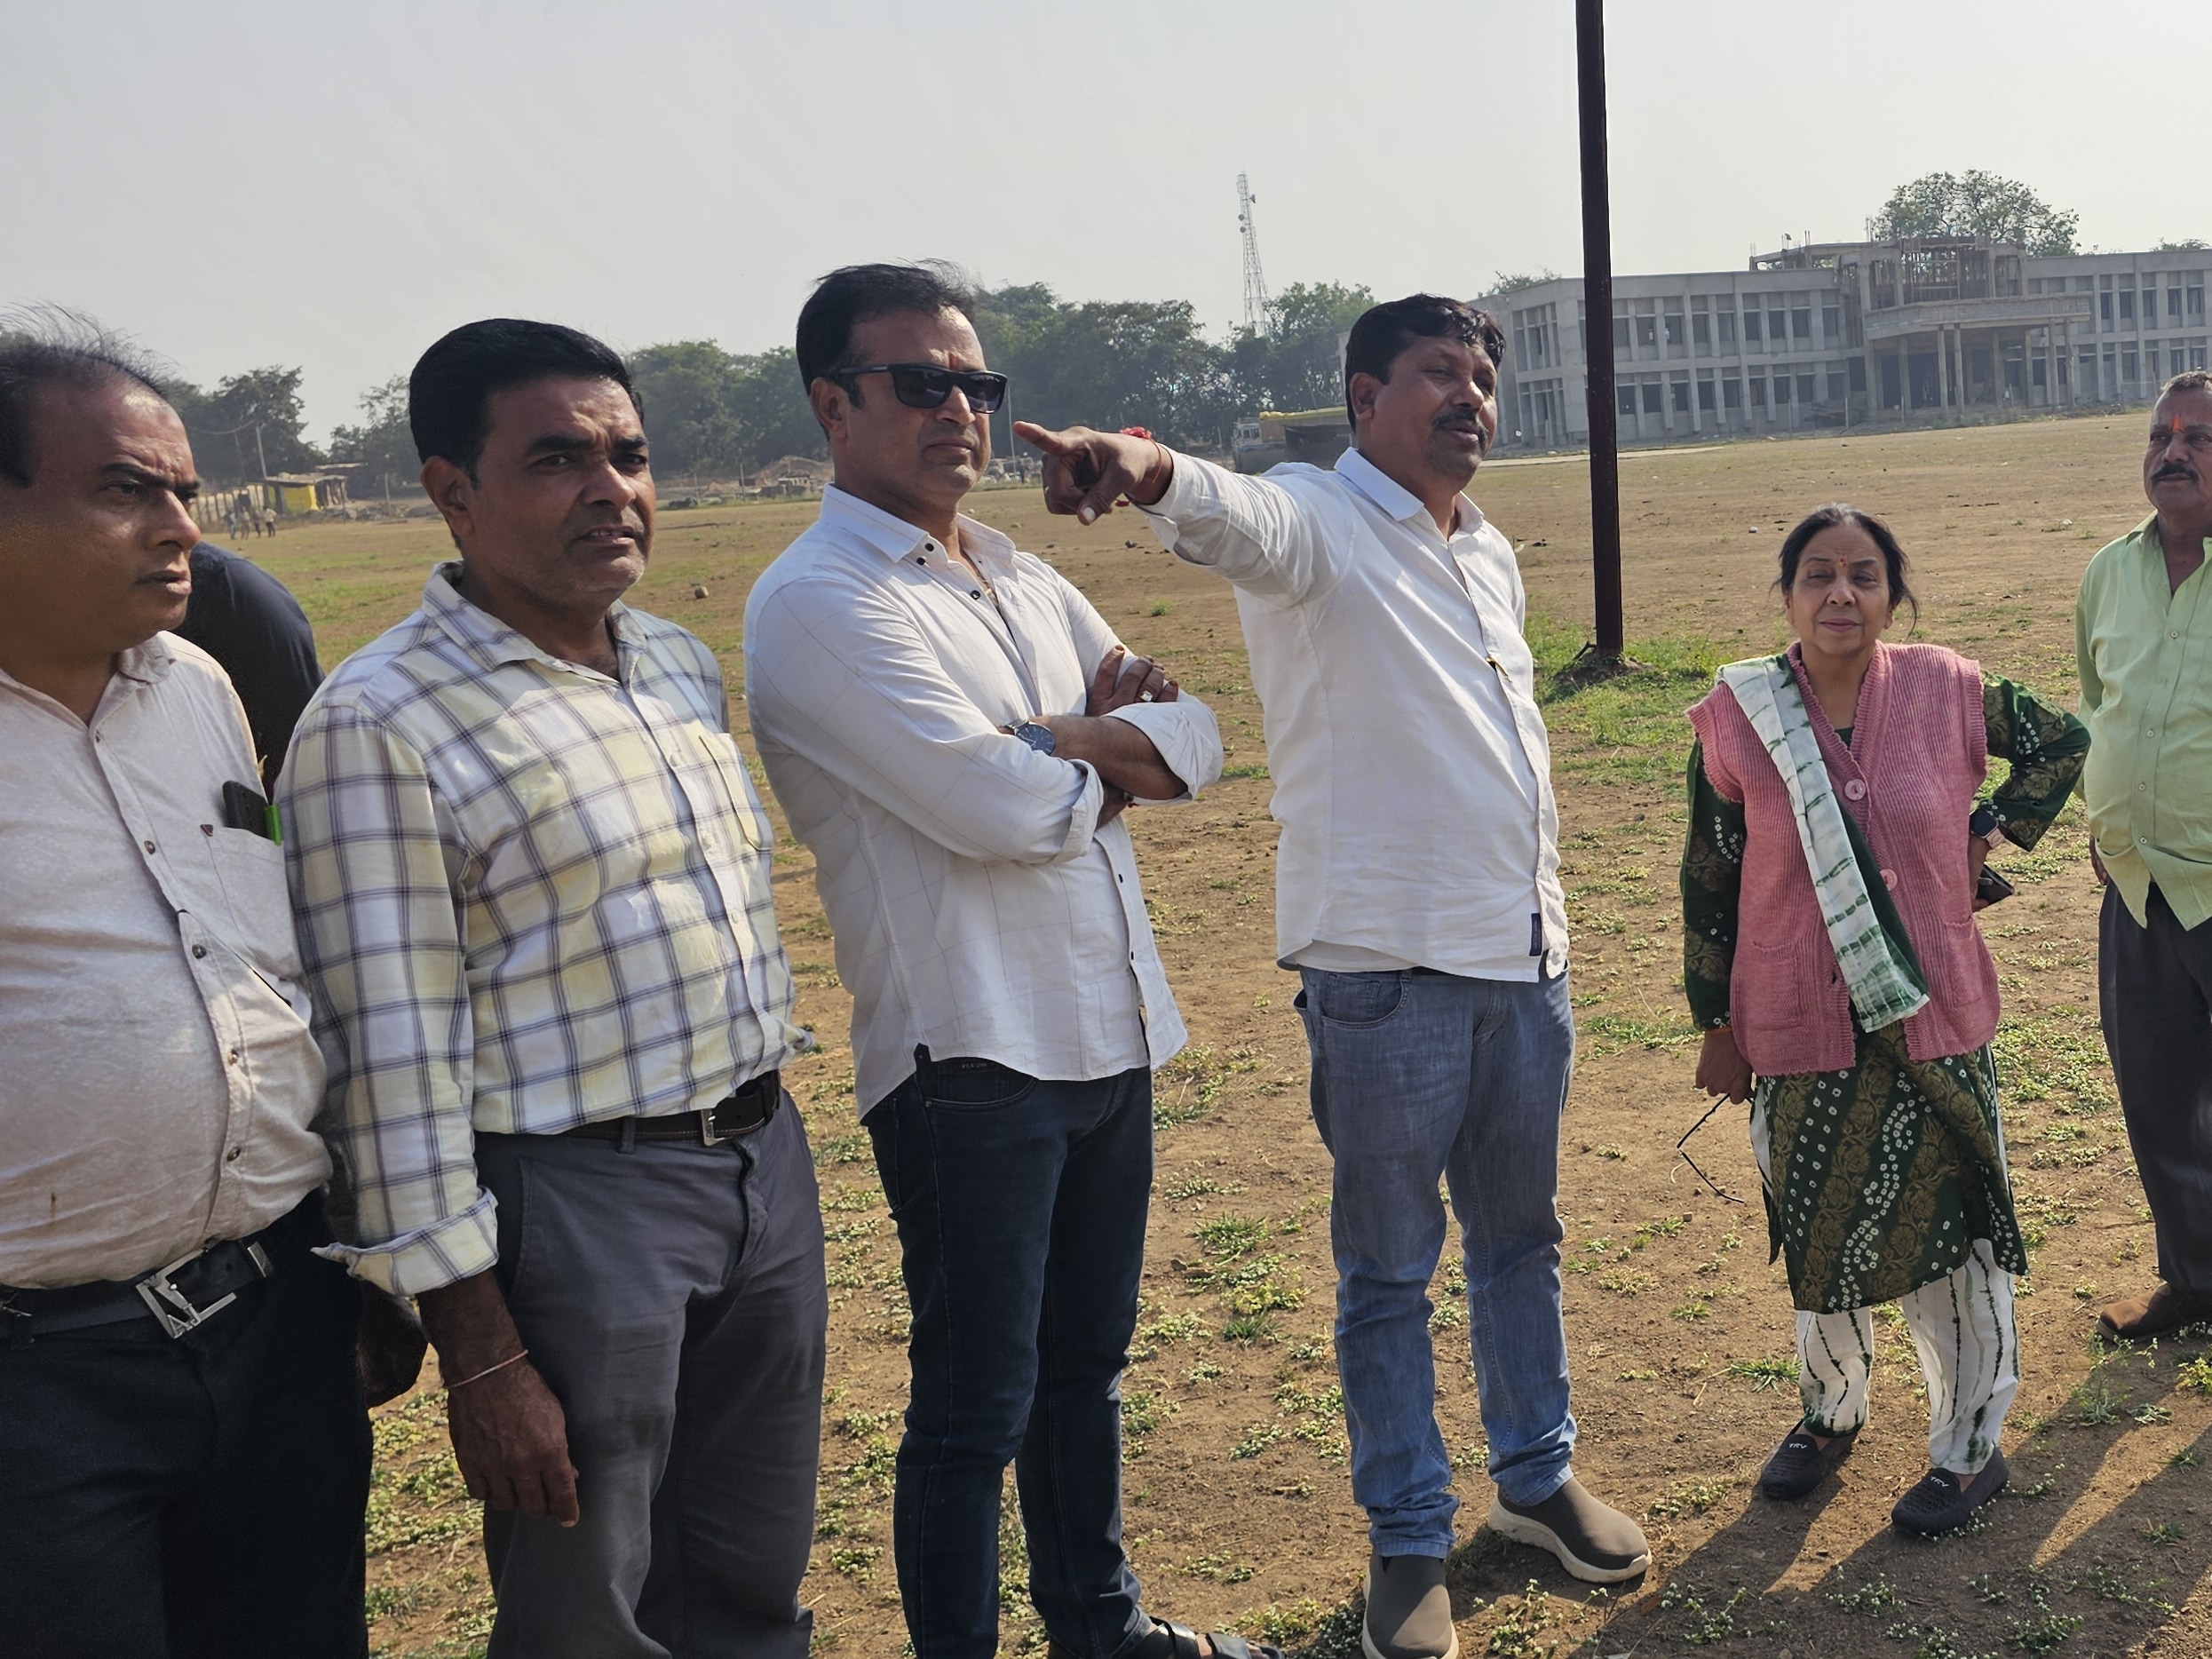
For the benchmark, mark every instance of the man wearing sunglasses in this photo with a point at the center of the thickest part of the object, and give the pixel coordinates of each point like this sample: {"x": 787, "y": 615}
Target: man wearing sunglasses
{"x": 954, "y": 732}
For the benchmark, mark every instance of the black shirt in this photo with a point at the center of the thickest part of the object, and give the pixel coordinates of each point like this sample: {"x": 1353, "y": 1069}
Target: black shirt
{"x": 248, "y": 621}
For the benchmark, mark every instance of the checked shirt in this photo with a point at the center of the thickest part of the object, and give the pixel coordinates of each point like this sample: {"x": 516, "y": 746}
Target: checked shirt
{"x": 528, "y": 897}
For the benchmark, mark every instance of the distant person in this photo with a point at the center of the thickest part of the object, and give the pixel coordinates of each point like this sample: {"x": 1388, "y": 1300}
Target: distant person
{"x": 2141, "y": 629}
{"x": 1417, "y": 896}
{"x": 1830, "y": 947}
{"x": 955, "y": 732}
{"x": 184, "y": 1457}
{"x": 249, "y": 622}
{"x": 534, "y": 889}
{"x": 268, "y": 520}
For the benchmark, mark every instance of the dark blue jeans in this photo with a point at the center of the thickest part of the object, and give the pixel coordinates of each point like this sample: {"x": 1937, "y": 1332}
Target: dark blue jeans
{"x": 1020, "y": 1207}
{"x": 1416, "y": 1076}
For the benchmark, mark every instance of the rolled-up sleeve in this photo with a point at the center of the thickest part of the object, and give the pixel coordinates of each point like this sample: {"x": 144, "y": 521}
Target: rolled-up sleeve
{"x": 836, "y": 673}
{"x": 1256, "y": 534}
{"x": 371, "y": 860}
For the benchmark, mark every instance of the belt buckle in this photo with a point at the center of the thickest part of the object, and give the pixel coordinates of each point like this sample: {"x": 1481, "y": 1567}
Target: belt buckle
{"x": 708, "y": 1135}
{"x": 157, "y": 1288}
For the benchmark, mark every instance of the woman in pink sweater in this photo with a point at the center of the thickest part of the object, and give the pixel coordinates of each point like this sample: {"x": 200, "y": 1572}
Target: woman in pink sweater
{"x": 1831, "y": 956}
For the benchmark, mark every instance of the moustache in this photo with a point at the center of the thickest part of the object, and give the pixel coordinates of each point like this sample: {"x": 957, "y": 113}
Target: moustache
{"x": 1463, "y": 422}
{"x": 2172, "y": 469}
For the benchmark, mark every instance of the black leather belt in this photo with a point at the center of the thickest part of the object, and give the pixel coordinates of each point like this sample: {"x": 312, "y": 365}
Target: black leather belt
{"x": 743, "y": 1113}
{"x": 179, "y": 1297}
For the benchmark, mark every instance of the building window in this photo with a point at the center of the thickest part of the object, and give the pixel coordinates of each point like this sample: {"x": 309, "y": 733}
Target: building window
{"x": 1806, "y": 392}
{"x": 1705, "y": 392}
{"x": 1777, "y": 320}
{"x": 2130, "y": 369}
{"x": 1831, "y": 321}
{"x": 1675, "y": 335}
{"x": 1726, "y": 318}
{"x": 1651, "y": 396}
{"x": 1750, "y": 322}
{"x": 2128, "y": 304}
{"x": 1620, "y": 334}
{"x": 1731, "y": 393}
{"x": 1801, "y": 319}
{"x": 1647, "y": 332}
{"x": 1782, "y": 388}
{"x": 1838, "y": 384}
{"x": 1681, "y": 398}
{"x": 2174, "y": 363}
{"x": 1758, "y": 383}
{"x": 1625, "y": 398}
{"x": 2173, "y": 301}
{"x": 2105, "y": 305}
{"x": 2196, "y": 303}
{"x": 2197, "y": 356}
{"x": 1701, "y": 324}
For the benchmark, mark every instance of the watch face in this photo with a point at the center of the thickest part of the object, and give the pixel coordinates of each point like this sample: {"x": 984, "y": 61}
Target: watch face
{"x": 1038, "y": 737}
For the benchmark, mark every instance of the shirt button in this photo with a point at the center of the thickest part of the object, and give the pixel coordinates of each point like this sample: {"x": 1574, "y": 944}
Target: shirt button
{"x": 1855, "y": 790}
{"x": 199, "y": 950}
{"x": 231, "y": 1156}
{"x": 1888, "y": 879}
{"x": 233, "y": 1056}
{"x": 148, "y": 845}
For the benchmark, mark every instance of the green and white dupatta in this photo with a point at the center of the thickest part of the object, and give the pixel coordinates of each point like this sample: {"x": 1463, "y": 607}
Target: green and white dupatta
{"x": 1884, "y": 981}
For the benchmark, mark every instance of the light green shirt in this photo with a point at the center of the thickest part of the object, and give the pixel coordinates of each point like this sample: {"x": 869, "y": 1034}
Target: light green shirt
{"x": 2145, "y": 659}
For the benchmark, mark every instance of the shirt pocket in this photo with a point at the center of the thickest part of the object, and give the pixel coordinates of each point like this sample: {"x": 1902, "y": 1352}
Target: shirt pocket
{"x": 251, "y": 869}
{"x": 728, "y": 766}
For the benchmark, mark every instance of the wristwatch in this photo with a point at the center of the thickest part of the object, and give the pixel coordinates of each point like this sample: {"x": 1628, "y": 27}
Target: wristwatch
{"x": 1983, "y": 827}
{"x": 1038, "y": 737}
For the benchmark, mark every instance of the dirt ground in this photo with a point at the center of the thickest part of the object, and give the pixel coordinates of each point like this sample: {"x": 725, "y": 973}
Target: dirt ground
{"x": 1238, "y": 1509}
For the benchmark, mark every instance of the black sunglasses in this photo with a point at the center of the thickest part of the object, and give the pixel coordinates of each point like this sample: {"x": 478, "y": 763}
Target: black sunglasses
{"x": 926, "y": 385}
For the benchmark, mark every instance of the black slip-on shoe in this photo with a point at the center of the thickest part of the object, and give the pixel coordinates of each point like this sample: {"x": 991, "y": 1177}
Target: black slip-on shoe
{"x": 1409, "y": 1612}
{"x": 1594, "y": 1541}
{"x": 1801, "y": 1463}
{"x": 1944, "y": 1502}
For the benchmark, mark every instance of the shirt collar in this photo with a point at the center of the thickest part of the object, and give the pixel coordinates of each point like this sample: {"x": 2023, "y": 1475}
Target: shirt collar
{"x": 1400, "y": 503}
{"x": 492, "y": 641}
{"x": 893, "y": 537}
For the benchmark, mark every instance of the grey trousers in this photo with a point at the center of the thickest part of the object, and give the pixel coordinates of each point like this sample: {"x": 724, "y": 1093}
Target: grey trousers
{"x": 2155, "y": 991}
{"x": 672, "y": 1297}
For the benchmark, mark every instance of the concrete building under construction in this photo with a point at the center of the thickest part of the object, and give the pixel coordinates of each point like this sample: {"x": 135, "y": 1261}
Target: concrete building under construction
{"x": 1852, "y": 334}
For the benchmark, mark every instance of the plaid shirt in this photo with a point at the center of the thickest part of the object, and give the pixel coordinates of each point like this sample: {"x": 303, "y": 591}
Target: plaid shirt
{"x": 527, "y": 897}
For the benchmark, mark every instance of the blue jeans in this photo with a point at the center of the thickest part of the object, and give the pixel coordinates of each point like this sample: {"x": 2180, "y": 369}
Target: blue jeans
{"x": 1020, "y": 1207}
{"x": 1415, "y": 1076}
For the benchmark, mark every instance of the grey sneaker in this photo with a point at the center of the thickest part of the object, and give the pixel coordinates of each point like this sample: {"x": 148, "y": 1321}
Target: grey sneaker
{"x": 1596, "y": 1542}
{"x": 1409, "y": 1613}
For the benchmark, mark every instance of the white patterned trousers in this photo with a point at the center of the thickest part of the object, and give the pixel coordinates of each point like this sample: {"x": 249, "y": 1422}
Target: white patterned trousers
{"x": 1969, "y": 1352}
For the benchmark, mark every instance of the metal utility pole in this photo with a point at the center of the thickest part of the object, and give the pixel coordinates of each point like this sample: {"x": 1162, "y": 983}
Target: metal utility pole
{"x": 1604, "y": 448}
{"x": 1255, "y": 304}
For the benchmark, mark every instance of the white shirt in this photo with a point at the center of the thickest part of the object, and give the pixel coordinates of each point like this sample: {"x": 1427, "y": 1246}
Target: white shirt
{"x": 157, "y": 1076}
{"x": 1412, "y": 772}
{"x": 979, "y": 909}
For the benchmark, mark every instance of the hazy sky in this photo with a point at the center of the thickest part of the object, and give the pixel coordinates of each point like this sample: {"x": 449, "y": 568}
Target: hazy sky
{"x": 333, "y": 187}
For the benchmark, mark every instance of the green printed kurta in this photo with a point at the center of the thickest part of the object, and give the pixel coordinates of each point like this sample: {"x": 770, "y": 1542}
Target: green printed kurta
{"x": 1880, "y": 1177}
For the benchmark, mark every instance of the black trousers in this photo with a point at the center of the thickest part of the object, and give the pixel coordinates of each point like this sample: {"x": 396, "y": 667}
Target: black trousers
{"x": 199, "y": 1498}
{"x": 2155, "y": 991}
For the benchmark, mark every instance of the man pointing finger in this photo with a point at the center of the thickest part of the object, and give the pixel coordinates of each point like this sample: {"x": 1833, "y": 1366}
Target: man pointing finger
{"x": 1418, "y": 899}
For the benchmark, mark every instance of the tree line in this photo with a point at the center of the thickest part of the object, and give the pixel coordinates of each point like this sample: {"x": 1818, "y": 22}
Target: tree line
{"x": 714, "y": 413}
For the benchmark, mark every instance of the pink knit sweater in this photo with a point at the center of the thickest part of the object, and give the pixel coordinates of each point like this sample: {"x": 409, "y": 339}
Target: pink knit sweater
{"x": 1919, "y": 751}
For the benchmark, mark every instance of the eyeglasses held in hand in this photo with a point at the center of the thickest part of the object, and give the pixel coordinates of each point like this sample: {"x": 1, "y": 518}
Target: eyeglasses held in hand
{"x": 927, "y": 385}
